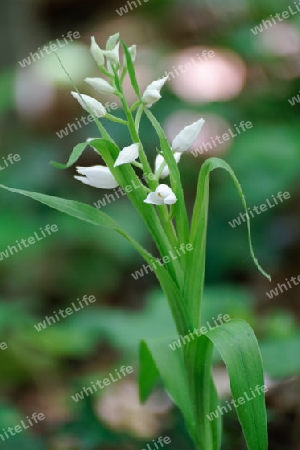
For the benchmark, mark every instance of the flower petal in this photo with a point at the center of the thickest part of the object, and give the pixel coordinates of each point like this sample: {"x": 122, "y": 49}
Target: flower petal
{"x": 163, "y": 190}
{"x": 127, "y": 155}
{"x": 160, "y": 160}
{"x": 97, "y": 176}
{"x": 100, "y": 85}
{"x": 186, "y": 138}
{"x": 170, "y": 199}
{"x": 89, "y": 103}
{"x": 96, "y": 52}
{"x": 154, "y": 199}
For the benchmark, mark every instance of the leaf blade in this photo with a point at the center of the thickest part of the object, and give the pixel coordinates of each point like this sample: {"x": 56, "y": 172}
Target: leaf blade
{"x": 238, "y": 347}
{"x": 194, "y": 281}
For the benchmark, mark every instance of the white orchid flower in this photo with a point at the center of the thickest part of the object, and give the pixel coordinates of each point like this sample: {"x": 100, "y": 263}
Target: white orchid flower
{"x": 127, "y": 155}
{"x": 97, "y": 176}
{"x": 89, "y": 103}
{"x": 112, "y": 41}
{"x": 100, "y": 85}
{"x": 160, "y": 160}
{"x": 152, "y": 92}
{"x": 163, "y": 195}
{"x": 187, "y": 137}
{"x": 96, "y": 52}
{"x": 112, "y": 55}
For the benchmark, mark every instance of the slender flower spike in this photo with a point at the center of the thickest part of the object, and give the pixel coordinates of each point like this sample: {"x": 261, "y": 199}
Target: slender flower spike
{"x": 159, "y": 161}
{"x": 112, "y": 41}
{"x": 100, "y": 85}
{"x": 152, "y": 92}
{"x": 127, "y": 155}
{"x": 89, "y": 103}
{"x": 97, "y": 176}
{"x": 163, "y": 195}
{"x": 112, "y": 55}
{"x": 97, "y": 53}
{"x": 186, "y": 138}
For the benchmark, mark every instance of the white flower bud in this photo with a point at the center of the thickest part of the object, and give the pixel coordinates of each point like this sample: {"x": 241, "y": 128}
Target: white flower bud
{"x": 112, "y": 41}
{"x": 100, "y": 85}
{"x": 96, "y": 52}
{"x": 127, "y": 155}
{"x": 90, "y": 104}
{"x": 112, "y": 55}
{"x": 187, "y": 137}
{"x": 152, "y": 92}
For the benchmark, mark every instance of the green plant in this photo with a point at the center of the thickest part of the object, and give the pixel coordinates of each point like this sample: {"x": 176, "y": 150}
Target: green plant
{"x": 186, "y": 372}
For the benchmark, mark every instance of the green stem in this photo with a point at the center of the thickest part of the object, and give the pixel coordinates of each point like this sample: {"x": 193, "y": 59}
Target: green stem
{"x": 116, "y": 119}
{"x": 162, "y": 210}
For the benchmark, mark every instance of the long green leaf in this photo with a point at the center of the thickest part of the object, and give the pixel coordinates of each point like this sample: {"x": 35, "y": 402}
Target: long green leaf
{"x": 89, "y": 214}
{"x": 156, "y": 359}
{"x": 238, "y": 347}
{"x": 194, "y": 280}
{"x": 198, "y": 360}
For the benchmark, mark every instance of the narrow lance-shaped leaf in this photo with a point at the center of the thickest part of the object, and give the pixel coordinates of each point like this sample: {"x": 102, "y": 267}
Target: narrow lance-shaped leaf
{"x": 156, "y": 359}
{"x": 75, "y": 155}
{"x": 89, "y": 214}
{"x": 238, "y": 347}
{"x": 198, "y": 361}
{"x": 196, "y": 260}
{"x": 131, "y": 70}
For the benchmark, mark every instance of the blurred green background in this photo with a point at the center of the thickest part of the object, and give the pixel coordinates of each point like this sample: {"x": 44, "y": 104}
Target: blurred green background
{"x": 251, "y": 78}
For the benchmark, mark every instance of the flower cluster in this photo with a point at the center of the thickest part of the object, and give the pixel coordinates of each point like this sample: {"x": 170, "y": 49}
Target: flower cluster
{"x": 99, "y": 176}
